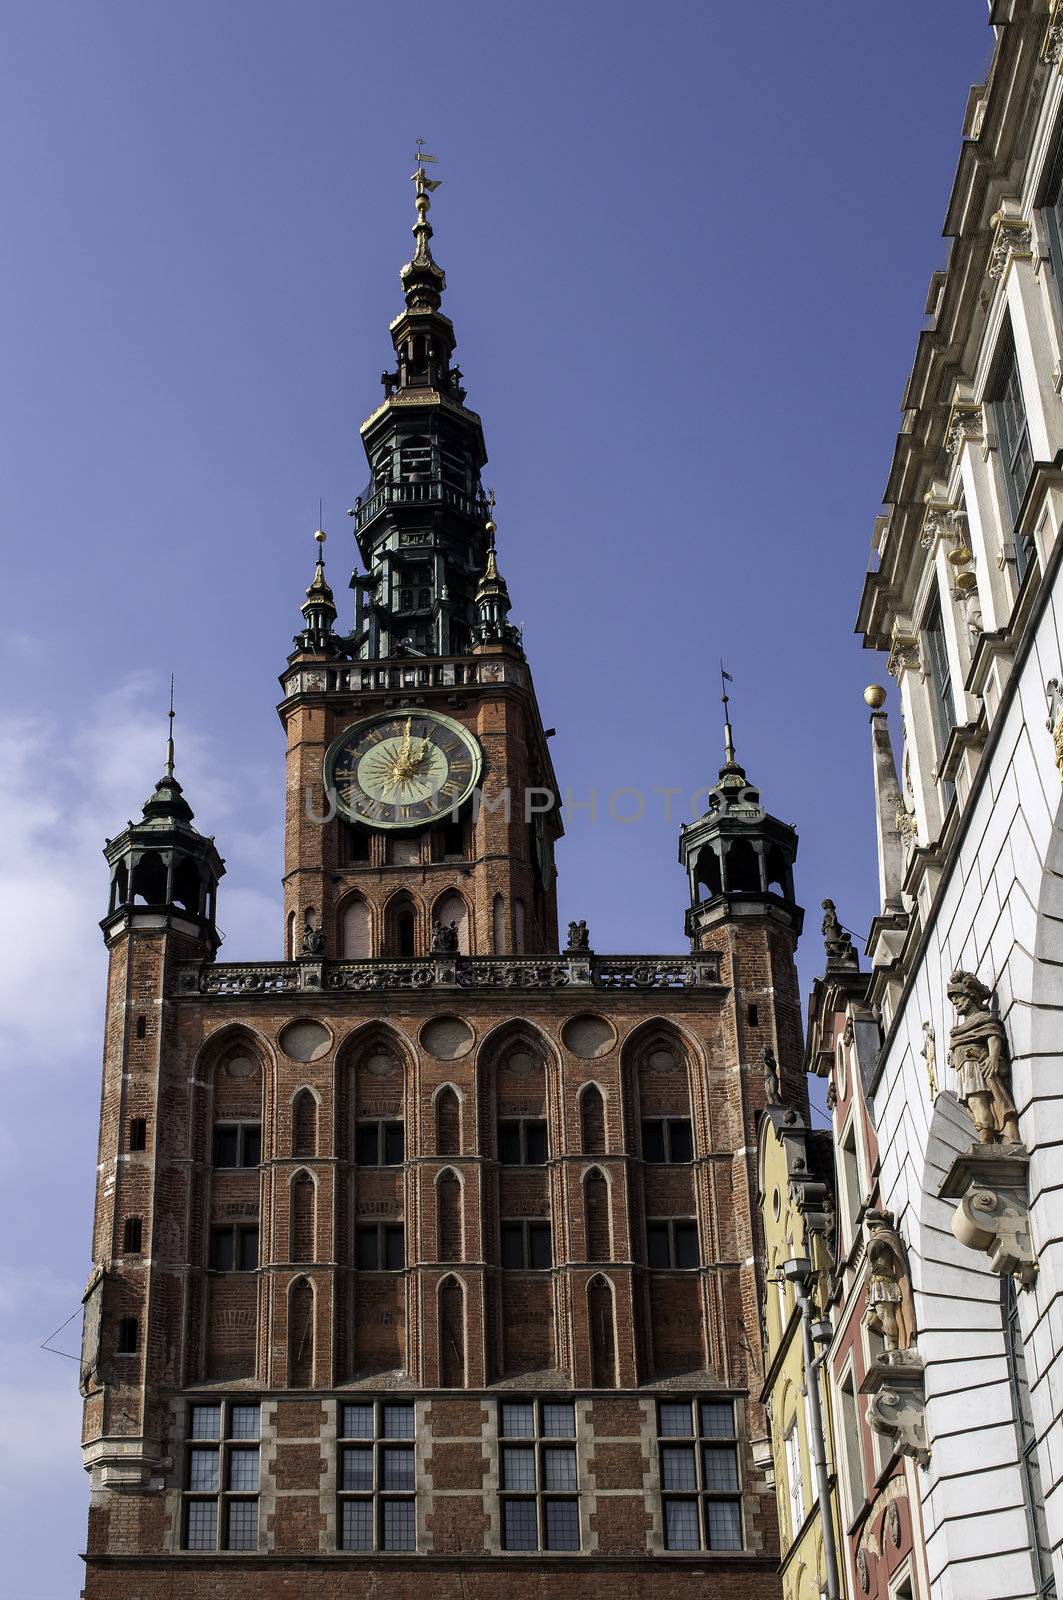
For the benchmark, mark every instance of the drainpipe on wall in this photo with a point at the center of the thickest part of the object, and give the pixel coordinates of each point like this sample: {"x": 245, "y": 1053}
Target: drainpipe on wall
{"x": 798, "y": 1271}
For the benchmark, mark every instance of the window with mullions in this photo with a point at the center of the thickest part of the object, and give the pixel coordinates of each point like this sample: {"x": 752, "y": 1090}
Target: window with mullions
{"x": 700, "y": 1483}
{"x": 379, "y": 1144}
{"x": 667, "y": 1139}
{"x": 221, "y": 1477}
{"x": 539, "y": 1483}
{"x": 378, "y": 1502}
{"x": 381, "y": 1247}
{"x": 526, "y": 1245}
{"x": 522, "y": 1142}
{"x": 1016, "y": 456}
{"x": 234, "y": 1249}
{"x": 672, "y": 1243}
{"x": 942, "y": 704}
{"x": 1032, "y": 1491}
{"x": 237, "y": 1144}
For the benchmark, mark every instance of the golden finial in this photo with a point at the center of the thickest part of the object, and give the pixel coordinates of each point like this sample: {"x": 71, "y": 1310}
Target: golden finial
{"x": 169, "y": 741}
{"x": 425, "y": 187}
{"x": 875, "y": 696}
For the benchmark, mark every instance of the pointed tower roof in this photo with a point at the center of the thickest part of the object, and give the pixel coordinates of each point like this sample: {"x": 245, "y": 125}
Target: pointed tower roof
{"x": 319, "y": 607}
{"x": 492, "y": 595}
{"x": 738, "y": 857}
{"x": 166, "y": 806}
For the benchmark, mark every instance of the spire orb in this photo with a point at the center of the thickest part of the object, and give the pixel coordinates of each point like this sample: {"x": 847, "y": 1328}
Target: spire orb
{"x": 875, "y": 696}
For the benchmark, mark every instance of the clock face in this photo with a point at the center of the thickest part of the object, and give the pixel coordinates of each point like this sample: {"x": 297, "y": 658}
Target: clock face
{"x": 401, "y": 771}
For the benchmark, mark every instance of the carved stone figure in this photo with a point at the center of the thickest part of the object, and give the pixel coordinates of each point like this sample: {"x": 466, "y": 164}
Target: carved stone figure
{"x": 978, "y": 1050}
{"x": 1054, "y": 696}
{"x": 883, "y": 1294}
{"x": 771, "y": 1078}
{"x": 579, "y": 939}
{"x": 313, "y": 940}
{"x": 890, "y": 1308}
{"x": 929, "y": 1053}
{"x": 837, "y": 941}
{"x": 444, "y": 938}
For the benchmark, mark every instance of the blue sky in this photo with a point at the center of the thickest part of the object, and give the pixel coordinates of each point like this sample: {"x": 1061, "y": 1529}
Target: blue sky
{"x": 687, "y": 248}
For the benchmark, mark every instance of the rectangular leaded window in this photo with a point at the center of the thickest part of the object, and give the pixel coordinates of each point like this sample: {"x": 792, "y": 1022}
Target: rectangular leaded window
{"x": 700, "y": 1475}
{"x": 522, "y": 1142}
{"x": 234, "y": 1248}
{"x": 377, "y": 1477}
{"x": 380, "y": 1247}
{"x": 221, "y": 1477}
{"x": 526, "y": 1246}
{"x": 539, "y": 1485}
{"x": 379, "y": 1144}
{"x": 237, "y": 1144}
{"x": 667, "y": 1139}
{"x": 672, "y": 1243}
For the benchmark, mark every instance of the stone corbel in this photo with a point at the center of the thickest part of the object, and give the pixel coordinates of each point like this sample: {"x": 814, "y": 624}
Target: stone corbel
{"x": 1012, "y": 241}
{"x": 939, "y": 521}
{"x": 904, "y": 655}
{"x": 991, "y": 1184}
{"x": 965, "y": 422}
{"x": 128, "y": 1465}
{"x": 897, "y": 1405}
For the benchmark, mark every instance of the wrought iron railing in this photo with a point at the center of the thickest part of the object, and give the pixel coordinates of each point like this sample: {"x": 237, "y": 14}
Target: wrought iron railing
{"x": 430, "y": 491}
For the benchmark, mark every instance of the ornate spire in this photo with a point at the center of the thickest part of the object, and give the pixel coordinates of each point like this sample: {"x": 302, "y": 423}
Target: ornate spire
{"x": 167, "y": 805}
{"x": 732, "y": 775}
{"x": 492, "y": 595}
{"x": 319, "y": 607}
{"x": 423, "y": 281}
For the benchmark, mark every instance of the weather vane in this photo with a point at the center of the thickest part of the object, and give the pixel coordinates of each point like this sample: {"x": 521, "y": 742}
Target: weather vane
{"x": 425, "y": 184}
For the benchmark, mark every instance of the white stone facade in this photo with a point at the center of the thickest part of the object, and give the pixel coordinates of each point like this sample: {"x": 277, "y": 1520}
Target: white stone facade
{"x": 967, "y": 602}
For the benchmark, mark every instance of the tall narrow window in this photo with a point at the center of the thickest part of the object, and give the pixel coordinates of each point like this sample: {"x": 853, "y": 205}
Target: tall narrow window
{"x": 592, "y": 1121}
{"x": 795, "y": 1482}
{"x": 1016, "y": 456}
{"x": 304, "y": 1124}
{"x": 131, "y": 1236}
{"x": 942, "y": 703}
{"x": 522, "y": 1142}
{"x": 596, "y": 1200}
{"x": 448, "y": 1123}
{"x": 1029, "y": 1460}
{"x": 498, "y": 925}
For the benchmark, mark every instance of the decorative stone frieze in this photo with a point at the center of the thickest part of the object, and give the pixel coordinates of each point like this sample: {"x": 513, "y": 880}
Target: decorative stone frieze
{"x": 449, "y": 970}
{"x": 991, "y": 1184}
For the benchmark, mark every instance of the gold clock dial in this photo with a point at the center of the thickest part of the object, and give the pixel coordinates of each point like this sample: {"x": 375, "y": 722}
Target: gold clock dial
{"x": 402, "y": 771}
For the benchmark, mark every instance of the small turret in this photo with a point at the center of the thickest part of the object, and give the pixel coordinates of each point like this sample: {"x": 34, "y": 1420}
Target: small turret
{"x": 164, "y": 873}
{"x": 492, "y": 598}
{"x": 739, "y": 860}
{"x": 319, "y": 607}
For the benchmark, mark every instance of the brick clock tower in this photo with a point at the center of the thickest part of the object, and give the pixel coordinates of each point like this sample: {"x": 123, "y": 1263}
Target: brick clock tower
{"x": 426, "y": 1255}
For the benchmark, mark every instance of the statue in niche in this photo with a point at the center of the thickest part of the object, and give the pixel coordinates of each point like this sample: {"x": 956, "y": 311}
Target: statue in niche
{"x": 313, "y": 939}
{"x": 836, "y": 939}
{"x": 890, "y": 1308}
{"x": 444, "y": 938}
{"x": 771, "y": 1077}
{"x": 978, "y": 1051}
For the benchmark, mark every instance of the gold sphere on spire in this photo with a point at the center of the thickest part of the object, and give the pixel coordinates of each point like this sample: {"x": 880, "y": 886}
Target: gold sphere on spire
{"x": 875, "y": 696}
{"x": 489, "y": 526}
{"x": 321, "y": 536}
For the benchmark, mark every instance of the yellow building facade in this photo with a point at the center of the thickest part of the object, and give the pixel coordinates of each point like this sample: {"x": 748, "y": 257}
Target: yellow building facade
{"x": 796, "y": 1199}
